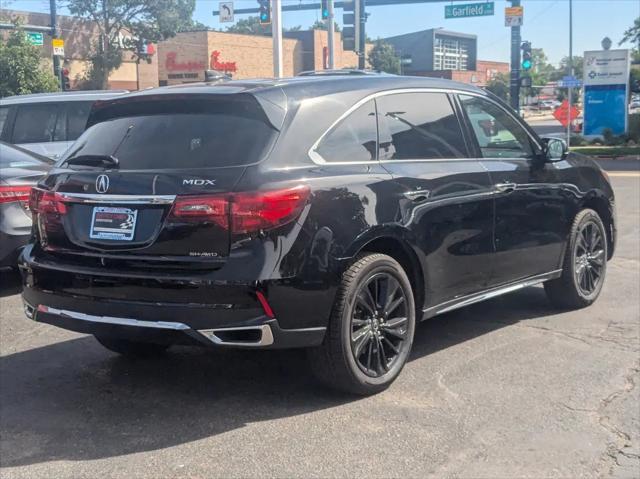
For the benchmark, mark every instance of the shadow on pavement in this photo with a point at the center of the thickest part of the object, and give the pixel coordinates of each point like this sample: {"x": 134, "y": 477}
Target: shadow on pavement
{"x": 9, "y": 282}
{"x": 73, "y": 400}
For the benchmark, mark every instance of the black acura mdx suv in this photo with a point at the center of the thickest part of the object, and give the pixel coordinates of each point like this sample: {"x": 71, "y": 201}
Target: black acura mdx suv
{"x": 331, "y": 213}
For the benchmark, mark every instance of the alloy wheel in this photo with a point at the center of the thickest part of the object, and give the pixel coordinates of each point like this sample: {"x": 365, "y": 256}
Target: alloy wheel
{"x": 379, "y": 324}
{"x": 589, "y": 258}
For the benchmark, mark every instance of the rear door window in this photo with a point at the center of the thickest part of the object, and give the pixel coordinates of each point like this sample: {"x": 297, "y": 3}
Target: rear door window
{"x": 76, "y": 118}
{"x": 35, "y": 123}
{"x": 354, "y": 139}
{"x": 419, "y": 126}
{"x": 156, "y": 138}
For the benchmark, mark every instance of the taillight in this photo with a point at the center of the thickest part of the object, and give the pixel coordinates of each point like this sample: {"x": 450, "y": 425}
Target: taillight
{"x": 248, "y": 212}
{"x": 43, "y": 201}
{"x": 266, "y": 210}
{"x": 202, "y": 208}
{"x": 10, "y": 194}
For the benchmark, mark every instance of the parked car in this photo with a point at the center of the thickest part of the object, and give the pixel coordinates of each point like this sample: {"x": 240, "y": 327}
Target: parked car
{"x": 19, "y": 171}
{"x": 48, "y": 123}
{"x": 325, "y": 212}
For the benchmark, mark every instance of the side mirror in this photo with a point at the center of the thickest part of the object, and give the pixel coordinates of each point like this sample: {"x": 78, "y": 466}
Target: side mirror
{"x": 555, "y": 149}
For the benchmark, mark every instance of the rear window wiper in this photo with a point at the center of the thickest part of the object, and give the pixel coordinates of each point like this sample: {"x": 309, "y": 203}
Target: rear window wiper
{"x": 93, "y": 160}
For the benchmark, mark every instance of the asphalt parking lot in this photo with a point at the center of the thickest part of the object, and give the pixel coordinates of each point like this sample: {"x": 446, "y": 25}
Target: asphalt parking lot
{"x": 508, "y": 388}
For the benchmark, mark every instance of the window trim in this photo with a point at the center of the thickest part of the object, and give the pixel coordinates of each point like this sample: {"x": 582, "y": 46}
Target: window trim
{"x": 319, "y": 160}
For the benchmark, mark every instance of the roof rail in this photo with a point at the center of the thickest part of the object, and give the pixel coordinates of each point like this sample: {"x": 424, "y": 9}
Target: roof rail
{"x": 337, "y": 72}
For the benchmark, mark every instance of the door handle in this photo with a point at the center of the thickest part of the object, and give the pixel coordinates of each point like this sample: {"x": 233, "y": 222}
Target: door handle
{"x": 505, "y": 187}
{"x": 417, "y": 196}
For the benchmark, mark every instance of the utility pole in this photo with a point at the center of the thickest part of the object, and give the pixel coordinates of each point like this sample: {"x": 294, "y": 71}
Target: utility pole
{"x": 362, "y": 54}
{"x": 276, "y": 33}
{"x": 57, "y": 71}
{"x": 514, "y": 84}
{"x": 571, "y": 72}
{"x": 331, "y": 35}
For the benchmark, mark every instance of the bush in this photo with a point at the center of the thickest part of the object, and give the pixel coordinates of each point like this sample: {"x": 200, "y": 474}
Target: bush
{"x": 578, "y": 140}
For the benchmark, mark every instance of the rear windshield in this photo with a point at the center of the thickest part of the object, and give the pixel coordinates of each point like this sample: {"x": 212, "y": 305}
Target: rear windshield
{"x": 160, "y": 140}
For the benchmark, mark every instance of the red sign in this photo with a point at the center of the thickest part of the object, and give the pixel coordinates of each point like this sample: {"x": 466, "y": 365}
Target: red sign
{"x": 173, "y": 65}
{"x": 216, "y": 64}
{"x": 562, "y": 113}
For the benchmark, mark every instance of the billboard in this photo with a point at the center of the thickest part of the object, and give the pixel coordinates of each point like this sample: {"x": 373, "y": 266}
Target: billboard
{"x": 606, "y": 91}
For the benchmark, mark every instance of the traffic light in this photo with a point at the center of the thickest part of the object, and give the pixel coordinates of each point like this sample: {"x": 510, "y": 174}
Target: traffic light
{"x": 351, "y": 25}
{"x": 324, "y": 6}
{"x": 527, "y": 58}
{"x": 264, "y": 12}
{"x": 66, "y": 82}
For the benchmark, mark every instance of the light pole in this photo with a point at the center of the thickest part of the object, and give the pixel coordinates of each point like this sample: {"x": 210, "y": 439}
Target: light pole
{"x": 276, "y": 33}
{"x": 571, "y": 72}
{"x": 331, "y": 35}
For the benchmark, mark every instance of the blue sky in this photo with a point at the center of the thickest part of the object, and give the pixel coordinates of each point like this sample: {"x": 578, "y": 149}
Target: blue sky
{"x": 545, "y": 22}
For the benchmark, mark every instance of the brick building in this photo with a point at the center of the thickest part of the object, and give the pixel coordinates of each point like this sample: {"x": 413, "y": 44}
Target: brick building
{"x": 185, "y": 57}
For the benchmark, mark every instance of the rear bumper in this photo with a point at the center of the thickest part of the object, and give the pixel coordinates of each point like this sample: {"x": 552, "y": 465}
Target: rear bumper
{"x": 265, "y": 334}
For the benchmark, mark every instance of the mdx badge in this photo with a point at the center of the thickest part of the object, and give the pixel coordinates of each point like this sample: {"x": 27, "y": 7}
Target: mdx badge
{"x": 198, "y": 182}
{"x": 102, "y": 183}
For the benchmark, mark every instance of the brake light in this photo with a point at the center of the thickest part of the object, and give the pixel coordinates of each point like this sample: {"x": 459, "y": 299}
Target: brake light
{"x": 245, "y": 212}
{"x": 43, "y": 201}
{"x": 266, "y": 210}
{"x": 10, "y": 194}
{"x": 202, "y": 208}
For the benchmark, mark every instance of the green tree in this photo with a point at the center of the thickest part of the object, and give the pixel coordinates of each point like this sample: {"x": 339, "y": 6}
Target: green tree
{"x": 578, "y": 68}
{"x": 632, "y": 34}
{"x": 137, "y": 20}
{"x": 252, "y": 26}
{"x": 322, "y": 25}
{"x": 383, "y": 57}
{"x": 540, "y": 73}
{"x": 21, "y": 71}
{"x": 499, "y": 86}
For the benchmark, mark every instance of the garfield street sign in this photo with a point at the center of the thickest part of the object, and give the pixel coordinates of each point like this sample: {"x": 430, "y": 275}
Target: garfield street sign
{"x": 469, "y": 10}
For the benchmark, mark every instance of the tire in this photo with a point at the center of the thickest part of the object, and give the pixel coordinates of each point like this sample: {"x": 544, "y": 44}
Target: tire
{"x": 363, "y": 353}
{"x": 585, "y": 265}
{"x": 132, "y": 349}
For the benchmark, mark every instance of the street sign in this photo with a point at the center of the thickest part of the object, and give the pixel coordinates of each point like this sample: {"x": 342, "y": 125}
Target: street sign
{"x": 35, "y": 38}
{"x": 513, "y": 16}
{"x": 226, "y": 12}
{"x": 606, "y": 90}
{"x": 569, "y": 82}
{"x": 562, "y": 113}
{"x": 58, "y": 46}
{"x": 469, "y": 10}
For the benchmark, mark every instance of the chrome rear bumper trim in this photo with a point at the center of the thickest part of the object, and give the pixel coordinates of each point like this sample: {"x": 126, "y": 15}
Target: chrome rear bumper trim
{"x": 111, "y": 319}
{"x": 266, "y": 336}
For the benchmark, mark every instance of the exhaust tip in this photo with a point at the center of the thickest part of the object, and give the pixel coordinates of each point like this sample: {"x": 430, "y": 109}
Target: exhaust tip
{"x": 29, "y": 310}
{"x": 248, "y": 336}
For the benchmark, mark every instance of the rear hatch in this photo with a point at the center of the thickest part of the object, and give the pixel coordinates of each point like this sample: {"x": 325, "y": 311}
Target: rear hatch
{"x": 149, "y": 183}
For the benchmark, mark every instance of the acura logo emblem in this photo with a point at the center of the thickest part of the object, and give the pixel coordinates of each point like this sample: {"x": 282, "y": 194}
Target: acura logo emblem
{"x": 102, "y": 183}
